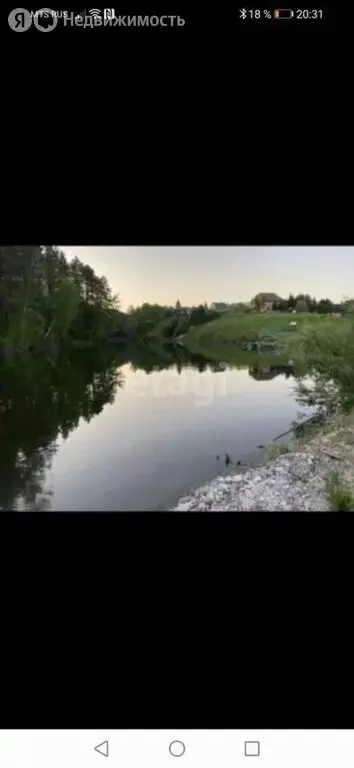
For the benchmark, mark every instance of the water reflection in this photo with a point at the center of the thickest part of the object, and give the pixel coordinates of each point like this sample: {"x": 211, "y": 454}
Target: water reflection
{"x": 43, "y": 400}
{"x": 39, "y": 401}
{"x": 262, "y": 372}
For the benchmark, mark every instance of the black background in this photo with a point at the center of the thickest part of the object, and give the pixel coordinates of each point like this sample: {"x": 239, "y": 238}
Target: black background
{"x": 144, "y": 621}
{"x": 208, "y": 134}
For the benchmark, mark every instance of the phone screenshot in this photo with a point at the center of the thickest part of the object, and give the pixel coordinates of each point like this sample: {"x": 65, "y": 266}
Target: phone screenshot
{"x": 176, "y": 386}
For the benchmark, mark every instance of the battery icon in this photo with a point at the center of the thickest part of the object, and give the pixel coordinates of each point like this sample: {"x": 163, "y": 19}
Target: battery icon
{"x": 283, "y": 13}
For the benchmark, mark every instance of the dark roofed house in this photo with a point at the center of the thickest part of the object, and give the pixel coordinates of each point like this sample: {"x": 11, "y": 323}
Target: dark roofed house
{"x": 264, "y": 302}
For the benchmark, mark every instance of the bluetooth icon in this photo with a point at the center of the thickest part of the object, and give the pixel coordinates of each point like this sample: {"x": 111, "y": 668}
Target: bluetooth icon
{"x": 243, "y": 13}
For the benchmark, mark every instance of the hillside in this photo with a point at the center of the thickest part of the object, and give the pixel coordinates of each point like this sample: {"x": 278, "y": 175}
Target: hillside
{"x": 221, "y": 336}
{"x": 166, "y": 328}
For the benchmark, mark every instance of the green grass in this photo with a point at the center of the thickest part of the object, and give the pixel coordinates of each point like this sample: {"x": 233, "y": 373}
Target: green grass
{"x": 310, "y": 431}
{"x": 273, "y": 451}
{"x": 237, "y": 357}
{"x": 159, "y": 330}
{"x": 327, "y": 354}
{"x": 251, "y": 326}
{"x": 339, "y": 495}
{"x": 326, "y": 343}
{"x": 221, "y": 336}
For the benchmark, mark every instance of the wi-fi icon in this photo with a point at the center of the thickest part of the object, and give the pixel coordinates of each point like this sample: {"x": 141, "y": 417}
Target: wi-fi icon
{"x": 95, "y": 12}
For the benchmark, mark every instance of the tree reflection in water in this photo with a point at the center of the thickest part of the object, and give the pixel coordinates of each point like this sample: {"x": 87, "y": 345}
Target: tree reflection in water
{"x": 40, "y": 401}
{"x": 43, "y": 400}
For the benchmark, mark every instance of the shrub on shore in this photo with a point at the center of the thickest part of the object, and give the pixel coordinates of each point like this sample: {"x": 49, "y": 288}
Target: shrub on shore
{"x": 339, "y": 494}
{"x": 326, "y": 353}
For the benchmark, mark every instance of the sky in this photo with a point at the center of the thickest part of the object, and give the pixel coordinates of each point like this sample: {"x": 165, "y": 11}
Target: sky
{"x": 195, "y": 274}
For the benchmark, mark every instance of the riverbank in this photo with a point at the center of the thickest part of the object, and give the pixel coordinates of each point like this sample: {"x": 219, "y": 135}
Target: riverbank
{"x": 224, "y": 338}
{"x": 316, "y": 476}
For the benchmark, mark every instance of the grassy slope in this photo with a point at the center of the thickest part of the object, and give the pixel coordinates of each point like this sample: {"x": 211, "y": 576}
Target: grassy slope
{"x": 158, "y": 331}
{"x": 218, "y": 336}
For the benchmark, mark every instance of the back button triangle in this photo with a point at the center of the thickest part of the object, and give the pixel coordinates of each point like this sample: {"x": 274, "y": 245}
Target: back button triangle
{"x": 102, "y": 748}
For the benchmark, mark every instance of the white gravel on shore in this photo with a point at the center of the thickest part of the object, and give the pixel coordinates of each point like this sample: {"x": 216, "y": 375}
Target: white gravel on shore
{"x": 292, "y": 482}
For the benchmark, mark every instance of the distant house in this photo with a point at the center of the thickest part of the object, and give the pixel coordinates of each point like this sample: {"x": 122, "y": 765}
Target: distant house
{"x": 220, "y": 306}
{"x": 263, "y": 302}
{"x": 182, "y": 310}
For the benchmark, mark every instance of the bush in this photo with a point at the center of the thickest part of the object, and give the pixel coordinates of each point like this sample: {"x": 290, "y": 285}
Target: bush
{"x": 339, "y": 495}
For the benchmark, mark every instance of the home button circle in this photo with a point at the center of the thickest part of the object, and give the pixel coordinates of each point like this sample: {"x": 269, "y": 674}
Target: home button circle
{"x": 177, "y": 748}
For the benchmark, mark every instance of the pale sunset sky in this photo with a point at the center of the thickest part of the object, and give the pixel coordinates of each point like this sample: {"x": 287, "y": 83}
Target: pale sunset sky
{"x": 195, "y": 274}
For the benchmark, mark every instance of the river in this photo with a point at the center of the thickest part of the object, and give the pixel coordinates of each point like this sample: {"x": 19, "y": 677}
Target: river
{"x": 131, "y": 431}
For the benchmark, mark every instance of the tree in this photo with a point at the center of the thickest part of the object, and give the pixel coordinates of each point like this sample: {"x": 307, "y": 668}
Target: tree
{"x": 241, "y": 307}
{"x": 349, "y": 306}
{"x": 142, "y": 320}
{"x": 291, "y": 302}
{"x": 301, "y": 306}
{"x": 19, "y": 287}
{"x": 281, "y": 305}
{"x": 65, "y": 306}
{"x": 308, "y": 300}
{"x": 198, "y": 315}
{"x": 325, "y": 306}
{"x": 256, "y": 303}
{"x": 43, "y": 297}
{"x": 178, "y": 305}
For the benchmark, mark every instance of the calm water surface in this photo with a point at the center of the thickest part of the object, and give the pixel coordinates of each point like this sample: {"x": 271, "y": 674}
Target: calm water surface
{"x": 128, "y": 436}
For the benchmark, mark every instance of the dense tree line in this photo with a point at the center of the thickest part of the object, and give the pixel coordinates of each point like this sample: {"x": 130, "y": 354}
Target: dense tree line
{"x": 167, "y": 321}
{"x": 303, "y": 302}
{"x": 45, "y": 298}
{"x": 143, "y": 319}
{"x": 185, "y": 318}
